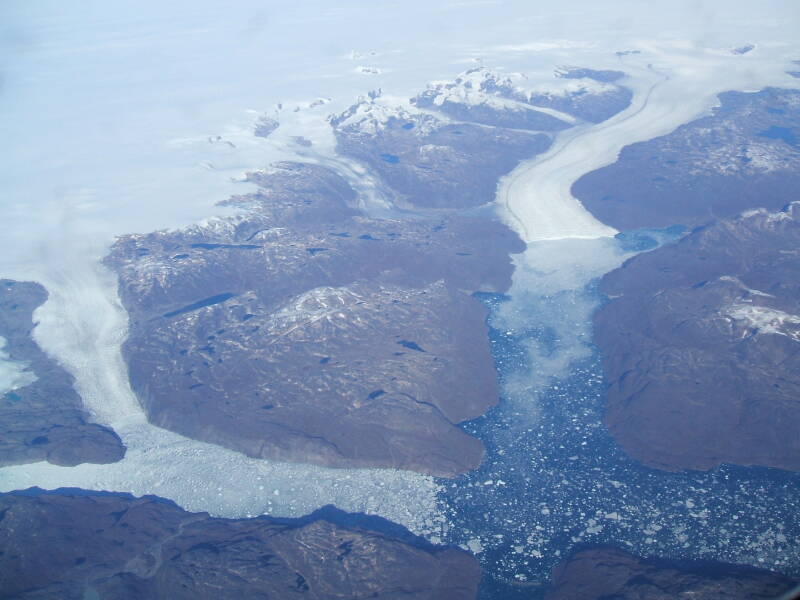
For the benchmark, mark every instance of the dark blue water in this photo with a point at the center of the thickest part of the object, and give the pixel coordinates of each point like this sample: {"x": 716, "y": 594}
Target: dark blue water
{"x": 211, "y": 301}
{"x": 556, "y": 481}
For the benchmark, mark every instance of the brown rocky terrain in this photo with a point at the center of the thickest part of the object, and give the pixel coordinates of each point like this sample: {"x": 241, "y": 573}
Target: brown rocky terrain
{"x": 450, "y": 145}
{"x": 430, "y": 162}
{"x": 606, "y": 573}
{"x": 43, "y": 418}
{"x": 120, "y": 547}
{"x": 300, "y": 330}
{"x": 701, "y": 347}
{"x": 746, "y": 154}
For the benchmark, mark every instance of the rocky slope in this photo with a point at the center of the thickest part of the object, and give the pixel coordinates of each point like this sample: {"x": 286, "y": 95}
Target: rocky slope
{"x": 510, "y": 100}
{"x": 447, "y": 146}
{"x": 746, "y": 154}
{"x": 701, "y": 346}
{"x": 299, "y": 330}
{"x": 428, "y": 161}
{"x": 42, "y": 416}
{"x": 481, "y": 96}
{"x": 605, "y": 573}
{"x": 120, "y": 547}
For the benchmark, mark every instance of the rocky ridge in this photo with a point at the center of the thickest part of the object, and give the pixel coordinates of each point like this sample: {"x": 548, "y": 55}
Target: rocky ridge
{"x": 121, "y": 547}
{"x": 428, "y": 161}
{"x": 447, "y": 146}
{"x": 601, "y": 573}
{"x": 575, "y": 94}
{"x": 700, "y": 345}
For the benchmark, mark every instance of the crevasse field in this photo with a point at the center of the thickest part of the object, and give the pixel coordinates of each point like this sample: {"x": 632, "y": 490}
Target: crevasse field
{"x": 129, "y": 117}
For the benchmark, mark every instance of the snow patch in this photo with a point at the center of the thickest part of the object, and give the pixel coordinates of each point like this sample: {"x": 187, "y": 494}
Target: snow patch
{"x": 762, "y": 320}
{"x": 512, "y": 91}
{"x": 371, "y": 113}
{"x": 739, "y": 283}
{"x": 311, "y": 306}
{"x": 13, "y": 374}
